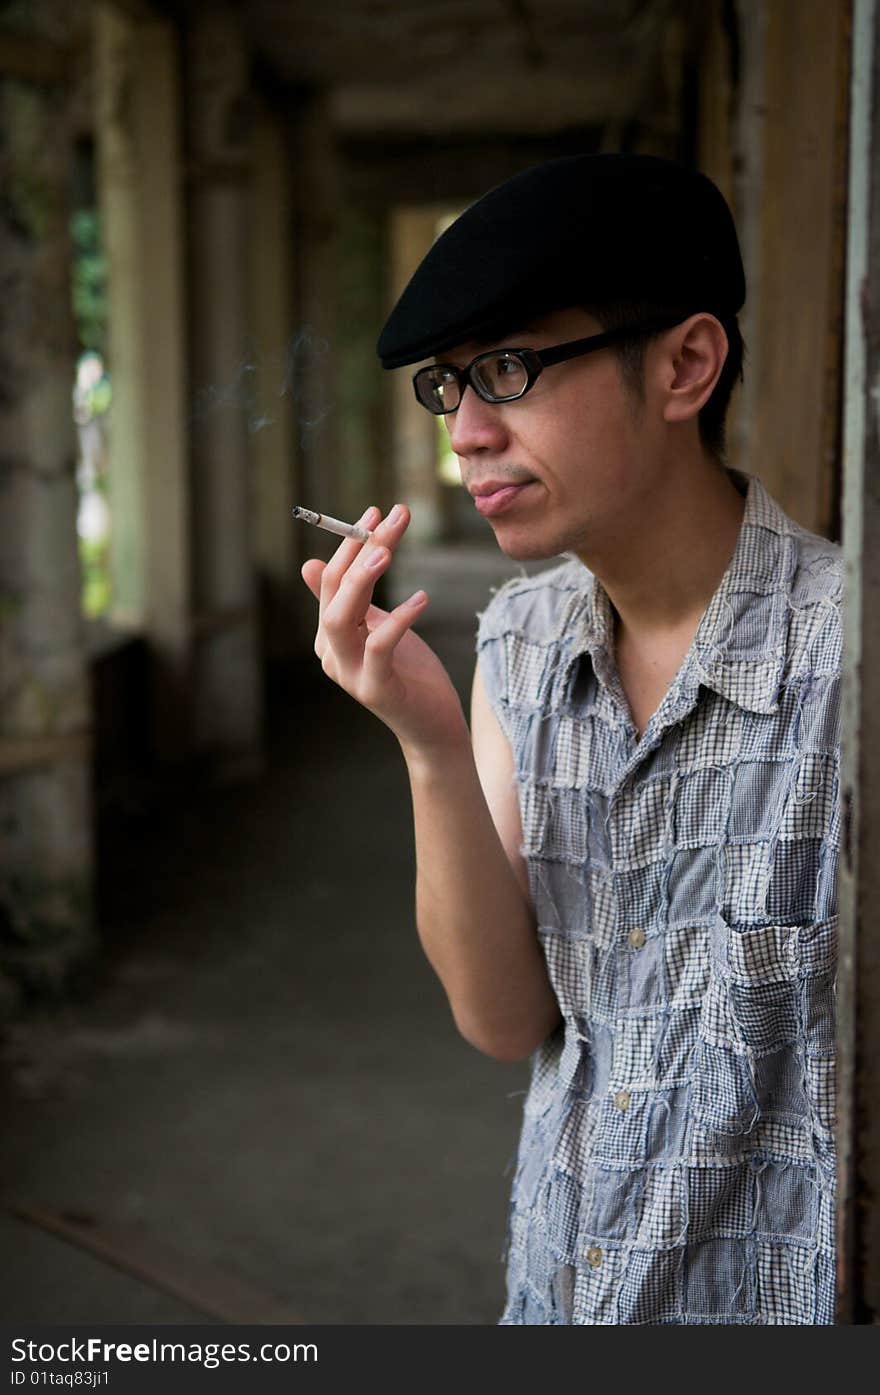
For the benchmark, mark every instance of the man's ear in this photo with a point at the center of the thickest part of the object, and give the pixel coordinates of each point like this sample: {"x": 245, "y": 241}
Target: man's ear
{"x": 690, "y": 361}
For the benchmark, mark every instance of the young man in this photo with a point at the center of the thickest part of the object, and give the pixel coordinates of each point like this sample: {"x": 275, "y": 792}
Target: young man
{"x": 627, "y": 868}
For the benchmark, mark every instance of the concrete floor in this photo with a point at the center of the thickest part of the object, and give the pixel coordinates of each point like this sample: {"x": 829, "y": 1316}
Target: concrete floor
{"x": 265, "y": 1083}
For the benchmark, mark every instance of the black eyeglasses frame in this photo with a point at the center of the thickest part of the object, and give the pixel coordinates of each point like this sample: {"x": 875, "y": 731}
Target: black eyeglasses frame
{"x": 536, "y": 360}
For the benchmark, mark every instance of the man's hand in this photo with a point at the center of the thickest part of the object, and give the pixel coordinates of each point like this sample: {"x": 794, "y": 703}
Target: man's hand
{"x": 373, "y": 653}
{"x": 473, "y": 912}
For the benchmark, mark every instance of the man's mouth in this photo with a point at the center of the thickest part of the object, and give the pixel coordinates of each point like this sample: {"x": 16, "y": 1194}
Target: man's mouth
{"x": 493, "y": 496}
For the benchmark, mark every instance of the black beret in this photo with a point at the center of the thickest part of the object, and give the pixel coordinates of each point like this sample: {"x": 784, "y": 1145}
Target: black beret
{"x": 584, "y": 230}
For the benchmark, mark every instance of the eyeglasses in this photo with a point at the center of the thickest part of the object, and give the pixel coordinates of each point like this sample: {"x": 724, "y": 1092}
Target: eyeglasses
{"x": 503, "y": 375}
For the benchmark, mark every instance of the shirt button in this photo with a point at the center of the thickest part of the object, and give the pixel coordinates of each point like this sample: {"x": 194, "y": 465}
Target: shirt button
{"x": 637, "y": 938}
{"x": 623, "y": 1100}
{"x": 594, "y": 1257}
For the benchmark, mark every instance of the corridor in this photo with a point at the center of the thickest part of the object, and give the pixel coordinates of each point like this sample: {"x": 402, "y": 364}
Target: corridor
{"x": 265, "y": 1094}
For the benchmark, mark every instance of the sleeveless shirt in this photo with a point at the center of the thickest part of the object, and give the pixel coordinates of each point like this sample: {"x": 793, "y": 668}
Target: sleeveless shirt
{"x": 676, "y": 1159}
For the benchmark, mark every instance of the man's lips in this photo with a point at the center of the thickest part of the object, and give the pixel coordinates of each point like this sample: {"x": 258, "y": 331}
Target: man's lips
{"x": 493, "y": 496}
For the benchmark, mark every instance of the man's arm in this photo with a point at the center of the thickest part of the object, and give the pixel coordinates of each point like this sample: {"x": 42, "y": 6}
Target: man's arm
{"x": 473, "y": 907}
{"x": 474, "y": 916}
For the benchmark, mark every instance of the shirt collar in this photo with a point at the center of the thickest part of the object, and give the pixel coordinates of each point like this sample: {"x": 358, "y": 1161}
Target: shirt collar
{"x": 734, "y": 652}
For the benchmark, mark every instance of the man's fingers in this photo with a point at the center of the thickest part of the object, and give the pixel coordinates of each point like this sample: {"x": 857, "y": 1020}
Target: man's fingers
{"x": 391, "y": 529}
{"x": 311, "y": 573}
{"x": 343, "y": 618}
{"x": 351, "y": 556}
{"x": 344, "y": 587}
{"x": 314, "y": 568}
{"x": 384, "y": 639}
{"x": 345, "y": 554}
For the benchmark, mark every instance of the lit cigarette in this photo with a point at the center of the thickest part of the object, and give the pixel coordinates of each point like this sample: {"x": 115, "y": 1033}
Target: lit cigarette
{"x": 333, "y": 525}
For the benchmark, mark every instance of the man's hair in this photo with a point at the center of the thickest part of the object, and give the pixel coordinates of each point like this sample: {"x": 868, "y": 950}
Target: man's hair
{"x": 631, "y": 357}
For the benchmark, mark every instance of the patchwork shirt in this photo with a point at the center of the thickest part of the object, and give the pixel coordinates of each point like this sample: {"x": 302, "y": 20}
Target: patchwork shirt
{"x": 676, "y": 1161}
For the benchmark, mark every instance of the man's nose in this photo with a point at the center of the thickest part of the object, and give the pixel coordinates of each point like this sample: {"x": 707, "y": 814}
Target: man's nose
{"x": 476, "y": 425}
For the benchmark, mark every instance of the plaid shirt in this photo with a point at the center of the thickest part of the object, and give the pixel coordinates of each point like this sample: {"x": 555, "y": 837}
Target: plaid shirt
{"x": 676, "y": 1161}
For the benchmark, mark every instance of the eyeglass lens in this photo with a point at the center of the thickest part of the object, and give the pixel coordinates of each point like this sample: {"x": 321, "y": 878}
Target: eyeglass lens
{"x": 497, "y": 376}
{"x": 437, "y": 389}
{"x": 500, "y": 375}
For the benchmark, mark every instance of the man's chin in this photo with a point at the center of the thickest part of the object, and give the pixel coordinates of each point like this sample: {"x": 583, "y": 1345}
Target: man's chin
{"x": 521, "y": 548}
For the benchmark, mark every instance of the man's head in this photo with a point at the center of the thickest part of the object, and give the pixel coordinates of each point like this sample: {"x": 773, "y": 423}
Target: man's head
{"x": 632, "y": 239}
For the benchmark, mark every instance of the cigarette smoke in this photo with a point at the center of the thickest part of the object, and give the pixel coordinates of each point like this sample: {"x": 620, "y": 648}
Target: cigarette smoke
{"x": 297, "y": 371}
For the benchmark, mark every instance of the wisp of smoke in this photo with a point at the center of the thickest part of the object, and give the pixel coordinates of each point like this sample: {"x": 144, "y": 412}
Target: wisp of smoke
{"x": 294, "y": 371}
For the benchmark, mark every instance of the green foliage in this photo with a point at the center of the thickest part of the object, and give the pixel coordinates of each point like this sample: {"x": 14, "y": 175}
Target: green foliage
{"x": 89, "y": 284}
{"x": 94, "y": 567}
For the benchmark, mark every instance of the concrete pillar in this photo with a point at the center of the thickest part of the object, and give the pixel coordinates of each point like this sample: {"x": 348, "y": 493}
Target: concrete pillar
{"x": 138, "y": 143}
{"x": 316, "y": 351}
{"x": 790, "y": 204}
{"x": 859, "y": 983}
{"x": 415, "y": 441}
{"x": 714, "y": 136}
{"x": 364, "y": 432}
{"x": 719, "y": 87}
{"x": 226, "y": 665}
{"x": 274, "y": 448}
{"x": 117, "y": 174}
{"x": 314, "y": 359}
{"x": 46, "y": 921}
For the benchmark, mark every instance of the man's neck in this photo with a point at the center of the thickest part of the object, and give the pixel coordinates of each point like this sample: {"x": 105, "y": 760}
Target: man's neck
{"x": 662, "y": 575}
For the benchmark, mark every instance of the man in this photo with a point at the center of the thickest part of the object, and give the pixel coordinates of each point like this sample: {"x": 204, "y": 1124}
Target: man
{"x": 627, "y": 870}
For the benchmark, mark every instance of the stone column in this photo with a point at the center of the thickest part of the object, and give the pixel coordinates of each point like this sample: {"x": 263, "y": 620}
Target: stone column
{"x": 716, "y": 72}
{"x": 315, "y": 356}
{"x": 314, "y": 359}
{"x": 364, "y": 433}
{"x": 790, "y": 199}
{"x": 274, "y": 452}
{"x": 46, "y": 921}
{"x": 858, "y": 991}
{"x": 415, "y": 438}
{"x": 139, "y": 157}
{"x": 118, "y": 154}
{"x": 227, "y": 677}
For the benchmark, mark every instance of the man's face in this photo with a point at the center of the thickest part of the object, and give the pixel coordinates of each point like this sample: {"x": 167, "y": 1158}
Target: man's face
{"x": 564, "y": 464}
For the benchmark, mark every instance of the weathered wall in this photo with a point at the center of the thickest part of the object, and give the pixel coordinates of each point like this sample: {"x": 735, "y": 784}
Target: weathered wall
{"x": 859, "y": 983}
{"x": 772, "y": 131}
{"x": 46, "y": 925}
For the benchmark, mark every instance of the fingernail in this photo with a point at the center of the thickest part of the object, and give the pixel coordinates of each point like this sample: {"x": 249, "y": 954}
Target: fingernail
{"x": 416, "y": 598}
{"x": 395, "y": 515}
{"x": 376, "y": 557}
{"x": 366, "y": 513}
